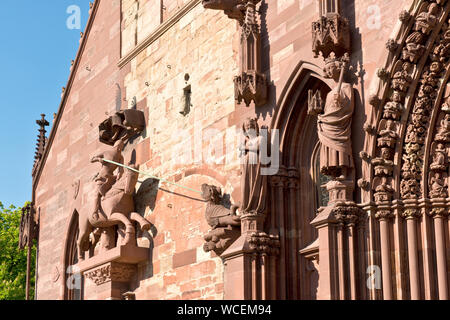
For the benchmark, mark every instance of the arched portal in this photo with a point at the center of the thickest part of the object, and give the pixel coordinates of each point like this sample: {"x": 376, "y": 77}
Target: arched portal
{"x": 293, "y": 207}
{"x": 408, "y": 152}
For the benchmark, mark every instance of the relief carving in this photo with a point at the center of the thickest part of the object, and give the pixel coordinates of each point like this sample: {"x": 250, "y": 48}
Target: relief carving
{"x": 117, "y": 272}
{"x": 438, "y": 182}
{"x": 383, "y": 187}
{"x": 401, "y": 79}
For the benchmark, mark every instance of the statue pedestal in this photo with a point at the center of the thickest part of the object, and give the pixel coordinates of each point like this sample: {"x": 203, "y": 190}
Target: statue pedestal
{"x": 108, "y": 276}
{"x": 339, "y": 244}
{"x": 250, "y": 262}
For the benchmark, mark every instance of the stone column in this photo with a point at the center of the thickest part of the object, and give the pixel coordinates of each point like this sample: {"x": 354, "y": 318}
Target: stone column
{"x": 411, "y": 216}
{"x": 385, "y": 216}
{"x": 440, "y": 215}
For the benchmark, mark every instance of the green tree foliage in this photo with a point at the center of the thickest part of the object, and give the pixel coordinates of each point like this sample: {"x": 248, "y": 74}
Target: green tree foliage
{"x": 13, "y": 262}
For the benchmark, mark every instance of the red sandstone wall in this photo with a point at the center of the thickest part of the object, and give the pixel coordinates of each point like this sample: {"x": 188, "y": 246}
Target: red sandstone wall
{"x": 204, "y": 44}
{"x": 92, "y": 96}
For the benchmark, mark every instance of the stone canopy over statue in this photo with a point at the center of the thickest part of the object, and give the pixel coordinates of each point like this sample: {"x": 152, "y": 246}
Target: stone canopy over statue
{"x": 334, "y": 126}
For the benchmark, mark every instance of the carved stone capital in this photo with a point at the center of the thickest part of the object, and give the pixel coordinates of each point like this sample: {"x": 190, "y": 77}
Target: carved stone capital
{"x": 293, "y": 178}
{"x": 440, "y": 212}
{"x": 384, "y": 215}
{"x": 264, "y": 243}
{"x": 412, "y": 214}
{"x": 349, "y": 215}
{"x": 280, "y": 180}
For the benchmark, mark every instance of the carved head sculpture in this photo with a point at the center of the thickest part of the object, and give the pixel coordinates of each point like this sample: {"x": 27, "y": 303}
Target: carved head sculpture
{"x": 396, "y": 97}
{"x": 211, "y": 193}
{"x": 433, "y": 9}
{"x": 387, "y": 153}
{"x": 333, "y": 67}
{"x": 251, "y": 127}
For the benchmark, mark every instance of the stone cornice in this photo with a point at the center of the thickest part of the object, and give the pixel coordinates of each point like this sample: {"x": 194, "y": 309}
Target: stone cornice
{"x": 155, "y": 35}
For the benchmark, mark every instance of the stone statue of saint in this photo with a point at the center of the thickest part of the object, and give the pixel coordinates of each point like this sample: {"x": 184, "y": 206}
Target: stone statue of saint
{"x": 253, "y": 184}
{"x": 335, "y": 124}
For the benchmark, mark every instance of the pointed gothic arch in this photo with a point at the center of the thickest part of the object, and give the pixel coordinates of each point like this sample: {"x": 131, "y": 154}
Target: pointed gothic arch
{"x": 408, "y": 146}
{"x": 71, "y": 292}
{"x": 293, "y": 208}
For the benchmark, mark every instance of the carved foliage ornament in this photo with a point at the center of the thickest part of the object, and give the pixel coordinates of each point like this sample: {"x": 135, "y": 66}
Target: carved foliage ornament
{"x": 118, "y": 272}
{"x": 264, "y": 243}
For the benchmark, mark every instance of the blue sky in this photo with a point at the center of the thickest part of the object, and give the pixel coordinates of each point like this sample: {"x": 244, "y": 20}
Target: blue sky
{"x": 36, "y": 50}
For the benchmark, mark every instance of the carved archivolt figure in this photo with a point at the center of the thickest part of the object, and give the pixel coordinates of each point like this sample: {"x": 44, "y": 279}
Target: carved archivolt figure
{"x": 335, "y": 124}
{"x": 426, "y": 20}
{"x": 414, "y": 48}
{"x": 253, "y": 184}
{"x": 437, "y": 185}
{"x": 439, "y": 158}
{"x": 389, "y": 135}
{"x": 393, "y": 109}
{"x": 402, "y": 78}
{"x": 444, "y": 130}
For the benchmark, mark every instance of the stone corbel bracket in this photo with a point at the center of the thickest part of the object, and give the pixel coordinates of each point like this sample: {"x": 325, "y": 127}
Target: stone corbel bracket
{"x": 251, "y": 84}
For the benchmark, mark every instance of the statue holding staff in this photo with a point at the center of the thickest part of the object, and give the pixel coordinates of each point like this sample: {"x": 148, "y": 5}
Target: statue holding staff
{"x": 335, "y": 122}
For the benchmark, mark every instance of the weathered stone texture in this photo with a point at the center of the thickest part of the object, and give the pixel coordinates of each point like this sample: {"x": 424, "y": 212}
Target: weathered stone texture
{"x": 203, "y": 44}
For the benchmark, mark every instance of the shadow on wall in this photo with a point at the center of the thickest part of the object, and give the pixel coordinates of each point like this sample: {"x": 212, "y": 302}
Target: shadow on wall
{"x": 268, "y": 109}
{"x": 357, "y": 79}
{"x": 145, "y": 200}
